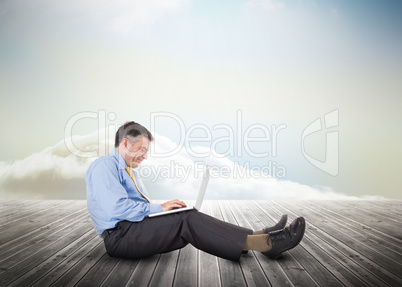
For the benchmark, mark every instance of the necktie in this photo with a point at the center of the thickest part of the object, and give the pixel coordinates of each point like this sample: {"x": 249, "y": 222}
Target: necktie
{"x": 131, "y": 174}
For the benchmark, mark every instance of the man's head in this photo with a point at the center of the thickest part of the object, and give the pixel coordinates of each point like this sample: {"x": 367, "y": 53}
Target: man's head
{"x": 132, "y": 142}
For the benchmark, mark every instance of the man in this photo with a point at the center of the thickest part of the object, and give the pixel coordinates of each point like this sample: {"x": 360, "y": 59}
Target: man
{"x": 119, "y": 207}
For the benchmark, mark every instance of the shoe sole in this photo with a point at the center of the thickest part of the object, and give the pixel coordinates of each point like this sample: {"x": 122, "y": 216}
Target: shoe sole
{"x": 293, "y": 246}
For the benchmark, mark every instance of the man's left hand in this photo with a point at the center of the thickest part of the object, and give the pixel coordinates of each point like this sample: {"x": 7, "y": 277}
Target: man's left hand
{"x": 173, "y": 204}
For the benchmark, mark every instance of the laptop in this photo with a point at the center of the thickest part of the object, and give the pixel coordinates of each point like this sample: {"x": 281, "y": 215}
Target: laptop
{"x": 198, "y": 203}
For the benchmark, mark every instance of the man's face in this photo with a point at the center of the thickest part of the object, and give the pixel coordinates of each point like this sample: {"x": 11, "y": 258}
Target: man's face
{"x": 135, "y": 152}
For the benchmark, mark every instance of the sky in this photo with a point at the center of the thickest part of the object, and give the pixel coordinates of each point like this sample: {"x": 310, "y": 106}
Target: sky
{"x": 284, "y": 99}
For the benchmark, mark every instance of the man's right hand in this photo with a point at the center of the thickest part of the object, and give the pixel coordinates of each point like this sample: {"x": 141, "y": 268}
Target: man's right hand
{"x": 173, "y": 204}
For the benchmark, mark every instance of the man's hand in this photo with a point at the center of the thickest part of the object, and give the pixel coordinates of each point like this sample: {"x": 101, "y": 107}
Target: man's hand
{"x": 173, "y": 204}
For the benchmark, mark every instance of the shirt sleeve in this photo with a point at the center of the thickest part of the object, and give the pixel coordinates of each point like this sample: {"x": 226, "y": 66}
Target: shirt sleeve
{"x": 110, "y": 200}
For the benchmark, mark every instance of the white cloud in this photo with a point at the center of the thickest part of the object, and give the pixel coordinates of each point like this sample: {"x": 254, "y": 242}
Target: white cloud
{"x": 57, "y": 173}
{"x": 120, "y": 16}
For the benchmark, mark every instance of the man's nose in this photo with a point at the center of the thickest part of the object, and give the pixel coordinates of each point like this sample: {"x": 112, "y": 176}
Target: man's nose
{"x": 145, "y": 155}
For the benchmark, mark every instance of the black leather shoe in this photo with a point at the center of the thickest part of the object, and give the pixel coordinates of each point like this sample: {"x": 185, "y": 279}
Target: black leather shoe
{"x": 280, "y": 225}
{"x": 286, "y": 238}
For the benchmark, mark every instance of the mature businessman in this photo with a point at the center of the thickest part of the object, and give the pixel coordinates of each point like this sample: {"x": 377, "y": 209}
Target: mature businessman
{"x": 119, "y": 206}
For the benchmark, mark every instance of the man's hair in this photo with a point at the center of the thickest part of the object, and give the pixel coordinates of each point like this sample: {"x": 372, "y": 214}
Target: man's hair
{"x": 131, "y": 130}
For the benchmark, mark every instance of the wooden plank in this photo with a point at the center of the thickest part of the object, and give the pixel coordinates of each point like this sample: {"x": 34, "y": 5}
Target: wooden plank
{"x": 121, "y": 273}
{"x": 373, "y": 252}
{"x": 356, "y": 262}
{"x": 165, "y": 269}
{"x": 17, "y": 205}
{"x": 317, "y": 251}
{"x": 317, "y": 271}
{"x": 9, "y": 262}
{"x": 187, "y": 267}
{"x": 22, "y": 266}
{"x": 78, "y": 270}
{"x": 391, "y": 247}
{"x": 14, "y": 257}
{"x": 208, "y": 265}
{"x": 230, "y": 271}
{"x": 25, "y": 241}
{"x": 390, "y": 212}
{"x": 57, "y": 259}
{"x": 321, "y": 275}
{"x": 323, "y": 252}
{"x": 271, "y": 268}
{"x": 23, "y": 226}
{"x": 144, "y": 271}
{"x": 344, "y": 244}
{"x": 27, "y": 214}
{"x": 227, "y": 213}
{"x": 99, "y": 271}
{"x": 20, "y": 209}
{"x": 392, "y": 208}
{"x": 208, "y": 274}
{"x": 252, "y": 271}
{"x": 389, "y": 225}
{"x": 293, "y": 269}
{"x": 187, "y": 264}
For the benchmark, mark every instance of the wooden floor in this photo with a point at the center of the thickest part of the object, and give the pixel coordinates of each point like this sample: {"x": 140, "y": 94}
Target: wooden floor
{"x": 346, "y": 243}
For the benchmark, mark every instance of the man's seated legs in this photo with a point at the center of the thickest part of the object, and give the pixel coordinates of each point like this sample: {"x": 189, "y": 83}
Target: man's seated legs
{"x": 170, "y": 232}
{"x": 174, "y": 231}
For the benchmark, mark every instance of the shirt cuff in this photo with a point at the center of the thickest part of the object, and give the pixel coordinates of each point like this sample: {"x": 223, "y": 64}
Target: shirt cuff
{"x": 154, "y": 208}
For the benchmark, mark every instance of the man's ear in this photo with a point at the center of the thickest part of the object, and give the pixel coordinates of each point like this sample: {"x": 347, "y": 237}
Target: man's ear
{"x": 125, "y": 142}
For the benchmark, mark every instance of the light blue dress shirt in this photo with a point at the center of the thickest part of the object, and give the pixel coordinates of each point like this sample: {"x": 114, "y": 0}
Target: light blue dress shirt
{"x": 112, "y": 195}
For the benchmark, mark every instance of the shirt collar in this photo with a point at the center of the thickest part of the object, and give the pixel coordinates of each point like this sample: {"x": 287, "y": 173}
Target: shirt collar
{"x": 121, "y": 162}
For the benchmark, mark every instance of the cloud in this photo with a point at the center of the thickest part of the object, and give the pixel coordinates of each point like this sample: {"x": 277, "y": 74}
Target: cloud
{"x": 50, "y": 174}
{"x": 120, "y": 16}
{"x": 57, "y": 173}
